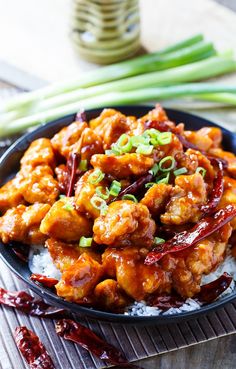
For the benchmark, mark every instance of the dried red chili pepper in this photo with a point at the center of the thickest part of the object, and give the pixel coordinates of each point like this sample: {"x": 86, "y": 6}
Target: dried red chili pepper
{"x": 81, "y": 116}
{"x": 21, "y": 251}
{"x": 166, "y": 302}
{"x": 183, "y": 240}
{"x": 160, "y": 126}
{"x": 72, "y": 166}
{"x": 32, "y": 349}
{"x": 209, "y": 292}
{"x": 73, "y": 331}
{"x": 217, "y": 191}
{"x": 23, "y": 301}
{"x": 135, "y": 186}
{"x": 45, "y": 281}
{"x": 170, "y": 230}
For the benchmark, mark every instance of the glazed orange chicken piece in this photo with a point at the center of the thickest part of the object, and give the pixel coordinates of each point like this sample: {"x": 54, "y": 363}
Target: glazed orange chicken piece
{"x": 199, "y": 139}
{"x": 66, "y": 254}
{"x": 202, "y": 161}
{"x": 187, "y": 196}
{"x": 170, "y": 149}
{"x": 64, "y": 222}
{"x": 124, "y": 165}
{"x": 40, "y": 186}
{"x": 190, "y": 162}
{"x": 133, "y": 276}
{"x": 110, "y": 296}
{"x": 187, "y": 267}
{"x": 79, "y": 280}
{"x": 85, "y": 191}
{"x": 64, "y": 140}
{"x": 125, "y": 223}
{"x": 40, "y": 152}
{"x": 10, "y": 194}
{"x": 156, "y": 198}
{"x": 110, "y": 125}
{"x": 214, "y": 133}
{"x": 229, "y": 196}
{"x": 157, "y": 114}
{"x": 22, "y": 224}
{"x": 88, "y": 145}
{"x": 229, "y": 157}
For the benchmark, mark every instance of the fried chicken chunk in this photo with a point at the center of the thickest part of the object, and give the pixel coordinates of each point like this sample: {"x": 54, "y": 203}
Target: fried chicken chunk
{"x": 186, "y": 197}
{"x": 124, "y": 165}
{"x": 133, "y": 276}
{"x": 65, "y": 223}
{"x": 203, "y": 162}
{"x": 22, "y": 224}
{"x": 10, "y": 195}
{"x": 88, "y": 145}
{"x": 66, "y": 254}
{"x": 40, "y": 186}
{"x": 64, "y": 140}
{"x": 200, "y": 139}
{"x": 156, "y": 198}
{"x": 187, "y": 267}
{"x": 229, "y": 196}
{"x": 110, "y": 125}
{"x": 125, "y": 223}
{"x": 79, "y": 280}
{"x": 214, "y": 133}
{"x": 40, "y": 152}
{"x": 110, "y": 296}
{"x": 84, "y": 192}
{"x": 229, "y": 157}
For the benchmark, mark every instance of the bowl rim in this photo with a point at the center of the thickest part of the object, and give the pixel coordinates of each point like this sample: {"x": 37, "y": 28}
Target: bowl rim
{"x": 87, "y": 311}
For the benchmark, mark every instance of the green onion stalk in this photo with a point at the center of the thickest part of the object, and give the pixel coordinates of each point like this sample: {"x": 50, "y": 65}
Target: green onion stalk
{"x": 177, "y": 54}
{"x": 211, "y": 67}
{"x": 116, "y": 99}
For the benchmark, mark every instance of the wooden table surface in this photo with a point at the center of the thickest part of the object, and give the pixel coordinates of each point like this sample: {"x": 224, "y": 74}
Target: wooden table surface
{"x": 27, "y": 26}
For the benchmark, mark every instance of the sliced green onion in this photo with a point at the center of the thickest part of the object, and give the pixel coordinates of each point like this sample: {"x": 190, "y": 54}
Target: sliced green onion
{"x": 96, "y": 177}
{"x": 83, "y": 165}
{"x": 130, "y": 197}
{"x": 139, "y": 140}
{"x": 115, "y": 188}
{"x": 163, "y": 178}
{"x": 116, "y": 150}
{"x": 103, "y": 210}
{"x": 154, "y": 169}
{"x": 68, "y": 207}
{"x": 61, "y": 197}
{"x": 145, "y": 149}
{"x": 100, "y": 193}
{"x": 159, "y": 241}
{"x": 109, "y": 152}
{"x": 149, "y": 184}
{"x": 180, "y": 171}
{"x": 164, "y": 138}
{"x": 152, "y": 134}
{"x": 85, "y": 241}
{"x": 97, "y": 202}
{"x": 124, "y": 143}
{"x": 165, "y": 160}
{"x": 201, "y": 170}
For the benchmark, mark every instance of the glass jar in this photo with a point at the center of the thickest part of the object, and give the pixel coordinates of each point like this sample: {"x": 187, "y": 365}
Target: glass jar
{"x": 106, "y": 31}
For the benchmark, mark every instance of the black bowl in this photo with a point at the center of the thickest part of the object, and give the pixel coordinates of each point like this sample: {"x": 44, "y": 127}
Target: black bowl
{"x": 9, "y": 165}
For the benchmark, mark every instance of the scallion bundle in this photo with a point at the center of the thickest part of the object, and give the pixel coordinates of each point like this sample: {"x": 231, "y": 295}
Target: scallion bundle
{"x": 165, "y": 74}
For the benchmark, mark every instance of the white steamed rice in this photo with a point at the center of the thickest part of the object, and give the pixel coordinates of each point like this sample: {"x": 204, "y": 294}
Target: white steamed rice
{"x": 40, "y": 262}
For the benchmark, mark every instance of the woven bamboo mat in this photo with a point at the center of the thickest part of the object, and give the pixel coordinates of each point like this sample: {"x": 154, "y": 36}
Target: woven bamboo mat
{"x": 135, "y": 341}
